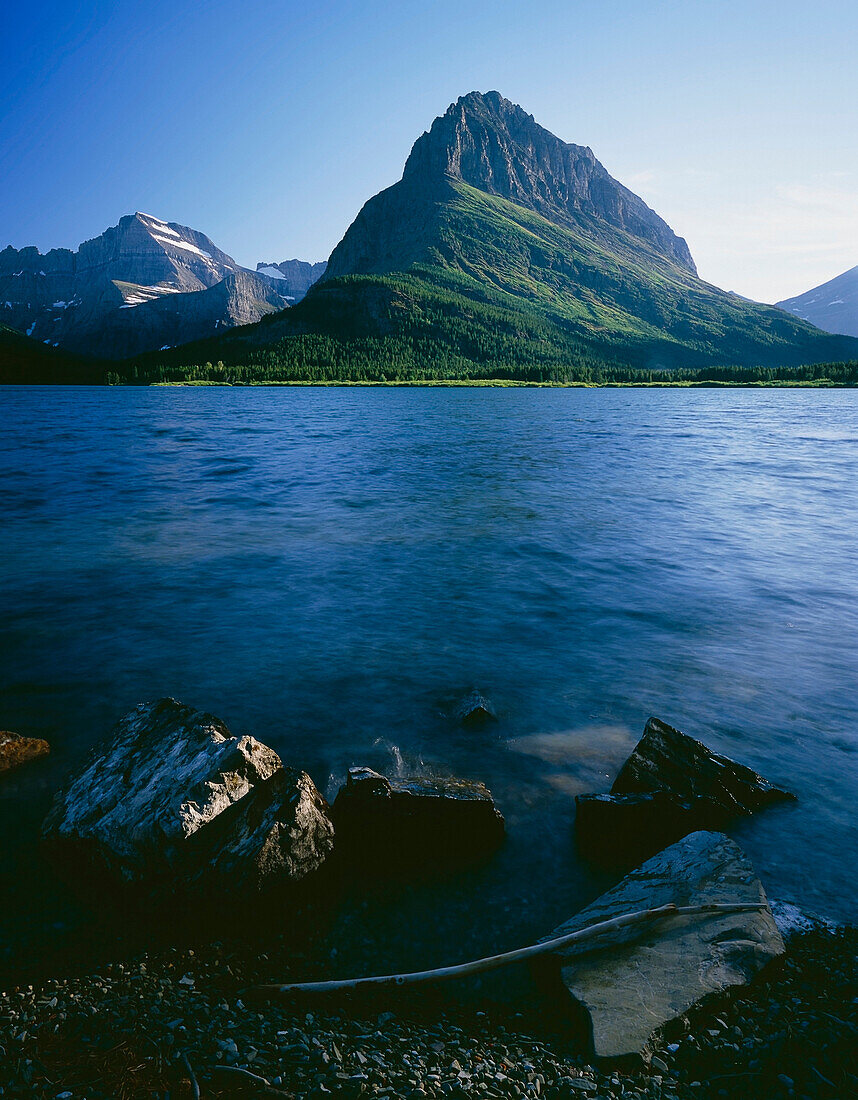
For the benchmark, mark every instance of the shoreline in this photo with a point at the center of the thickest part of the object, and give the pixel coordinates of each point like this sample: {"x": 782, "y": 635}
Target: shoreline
{"x": 818, "y": 384}
{"x": 168, "y": 1020}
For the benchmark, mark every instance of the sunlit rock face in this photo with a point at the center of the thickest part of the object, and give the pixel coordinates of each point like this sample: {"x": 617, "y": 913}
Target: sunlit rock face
{"x": 139, "y": 286}
{"x": 171, "y": 800}
{"x": 497, "y": 147}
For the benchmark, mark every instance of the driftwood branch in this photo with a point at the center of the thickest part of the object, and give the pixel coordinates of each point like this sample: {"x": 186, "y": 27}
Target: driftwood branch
{"x": 195, "y": 1085}
{"x": 245, "y": 1079}
{"x": 494, "y": 962}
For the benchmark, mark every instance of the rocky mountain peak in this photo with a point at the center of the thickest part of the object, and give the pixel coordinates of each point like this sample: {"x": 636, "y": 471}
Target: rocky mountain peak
{"x": 142, "y": 283}
{"x": 292, "y": 278}
{"x": 496, "y": 146}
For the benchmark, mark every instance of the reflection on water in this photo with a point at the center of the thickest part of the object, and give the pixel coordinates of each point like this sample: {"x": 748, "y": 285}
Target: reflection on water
{"x": 329, "y": 569}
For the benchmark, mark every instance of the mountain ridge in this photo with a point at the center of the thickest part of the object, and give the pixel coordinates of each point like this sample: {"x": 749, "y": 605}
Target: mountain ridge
{"x": 502, "y": 252}
{"x": 293, "y": 278}
{"x": 571, "y": 274}
{"x": 831, "y": 306}
{"x": 101, "y": 299}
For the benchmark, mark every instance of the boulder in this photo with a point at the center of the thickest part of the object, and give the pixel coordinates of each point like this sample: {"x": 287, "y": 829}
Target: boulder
{"x": 401, "y": 822}
{"x": 629, "y": 984}
{"x": 171, "y": 799}
{"x": 474, "y": 709}
{"x": 16, "y": 750}
{"x": 671, "y": 785}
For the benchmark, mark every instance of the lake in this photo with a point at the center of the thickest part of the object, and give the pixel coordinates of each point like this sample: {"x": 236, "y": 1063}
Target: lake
{"x": 329, "y": 569}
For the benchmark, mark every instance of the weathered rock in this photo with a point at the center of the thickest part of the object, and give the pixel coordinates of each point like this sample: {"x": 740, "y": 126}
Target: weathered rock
{"x": 401, "y": 821}
{"x": 16, "y": 750}
{"x": 640, "y": 978}
{"x": 671, "y": 785}
{"x": 665, "y": 759}
{"x": 474, "y": 709}
{"x": 173, "y": 799}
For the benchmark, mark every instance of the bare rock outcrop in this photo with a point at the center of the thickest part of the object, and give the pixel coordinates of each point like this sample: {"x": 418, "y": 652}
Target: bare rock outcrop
{"x": 635, "y": 981}
{"x": 172, "y": 800}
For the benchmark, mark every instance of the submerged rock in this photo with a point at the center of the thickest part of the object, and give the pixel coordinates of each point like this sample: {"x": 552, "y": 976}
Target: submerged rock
{"x": 638, "y": 979}
{"x": 403, "y": 821}
{"x": 171, "y": 799}
{"x": 16, "y": 750}
{"x": 474, "y": 710}
{"x": 670, "y": 785}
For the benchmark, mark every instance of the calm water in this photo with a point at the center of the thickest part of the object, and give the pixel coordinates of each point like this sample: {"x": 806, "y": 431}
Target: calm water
{"x": 328, "y": 569}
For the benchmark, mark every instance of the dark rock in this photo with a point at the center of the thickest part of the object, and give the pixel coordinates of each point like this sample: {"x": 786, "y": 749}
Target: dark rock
{"x": 665, "y": 759}
{"x": 637, "y": 979}
{"x": 16, "y": 750}
{"x": 671, "y": 785}
{"x": 173, "y": 800}
{"x": 402, "y": 821}
{"x": 474, "y": 709}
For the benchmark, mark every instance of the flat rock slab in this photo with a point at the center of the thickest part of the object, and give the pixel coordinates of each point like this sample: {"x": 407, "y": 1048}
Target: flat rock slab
{"x": 670, "y": 785}
{"x": 405, "y": 819}
{"x": 635, "y": 981}
{"x": 16, "y": 750}
{"x": 171, "y": 799}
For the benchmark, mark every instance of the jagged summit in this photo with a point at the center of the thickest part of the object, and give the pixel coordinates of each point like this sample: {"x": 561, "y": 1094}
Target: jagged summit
{"x": 495, "y": 145}
{"x": 505, "y": 251}
{"x": 292, "y": 278}
{"x": 135, "y": 286}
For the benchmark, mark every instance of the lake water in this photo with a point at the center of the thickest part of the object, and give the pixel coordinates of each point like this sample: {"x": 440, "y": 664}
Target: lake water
{"x": 328, "y": 569}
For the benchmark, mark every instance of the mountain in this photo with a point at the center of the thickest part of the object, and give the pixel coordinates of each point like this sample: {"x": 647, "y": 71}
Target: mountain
{"x": 293, "y": 278}
{"x": 505, "y": 252}
{"x": 489, "y": 144}
{"x": 832, "y": 306}
{"x": 24, "y": 360}
{"x": 142, "y": 284}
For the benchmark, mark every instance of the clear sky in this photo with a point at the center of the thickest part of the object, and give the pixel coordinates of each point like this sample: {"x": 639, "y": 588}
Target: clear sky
{"x": 268, "y": 124}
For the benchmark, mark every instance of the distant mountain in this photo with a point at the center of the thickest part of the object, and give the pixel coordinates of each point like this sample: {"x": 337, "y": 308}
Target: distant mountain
{"x": 142, "y": 284}
{"x": 506, "y": 252}
{"x": 293, "y": 278}
{"x": 832, "y": 306}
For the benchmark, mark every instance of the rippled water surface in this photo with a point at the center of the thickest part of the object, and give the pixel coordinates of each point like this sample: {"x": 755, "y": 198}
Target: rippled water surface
{"x": 328, "y": 568}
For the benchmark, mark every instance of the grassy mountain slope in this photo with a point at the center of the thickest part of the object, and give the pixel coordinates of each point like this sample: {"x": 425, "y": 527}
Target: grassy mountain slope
{"x": 489, "y": 288}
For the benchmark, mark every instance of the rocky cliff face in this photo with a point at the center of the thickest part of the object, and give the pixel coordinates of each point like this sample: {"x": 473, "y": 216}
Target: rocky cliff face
{"x": 134, "y": 288}
{"x": 832, "y": 306}
{"x": 292, "y": 278}
{"x": 495, "y": 146}
{"x": 168, "y": 320}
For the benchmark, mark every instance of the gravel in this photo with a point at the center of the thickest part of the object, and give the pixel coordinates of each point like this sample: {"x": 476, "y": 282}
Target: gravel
{"x": 178, "y": 1025}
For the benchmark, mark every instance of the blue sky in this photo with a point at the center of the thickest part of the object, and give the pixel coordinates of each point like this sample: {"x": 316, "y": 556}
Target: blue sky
{"x": 267, "y": 124}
